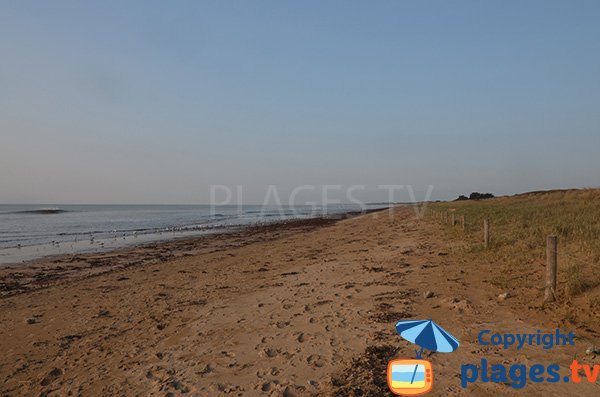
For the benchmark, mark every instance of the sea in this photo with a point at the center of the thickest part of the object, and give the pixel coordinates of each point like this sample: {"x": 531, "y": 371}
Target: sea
{"x": 33, "y": 231}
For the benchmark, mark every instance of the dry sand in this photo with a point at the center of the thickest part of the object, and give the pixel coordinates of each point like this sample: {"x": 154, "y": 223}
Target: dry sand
{"x": 298, "y": 309}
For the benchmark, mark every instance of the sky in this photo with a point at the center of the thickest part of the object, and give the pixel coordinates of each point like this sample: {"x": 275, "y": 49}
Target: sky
{"x": 155, "y": 102}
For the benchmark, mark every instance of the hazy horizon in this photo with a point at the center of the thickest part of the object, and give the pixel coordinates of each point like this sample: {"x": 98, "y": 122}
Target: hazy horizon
{"x": 152, "y": 102}
{"x": 285, "y": 202}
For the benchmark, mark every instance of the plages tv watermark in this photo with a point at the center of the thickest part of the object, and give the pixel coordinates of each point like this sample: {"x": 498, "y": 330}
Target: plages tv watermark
{"x": 518, "y": 375}
{"x": 324, "y": 199}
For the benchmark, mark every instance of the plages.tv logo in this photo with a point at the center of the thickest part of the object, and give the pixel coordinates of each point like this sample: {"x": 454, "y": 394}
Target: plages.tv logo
{"x": 413, "y": 377}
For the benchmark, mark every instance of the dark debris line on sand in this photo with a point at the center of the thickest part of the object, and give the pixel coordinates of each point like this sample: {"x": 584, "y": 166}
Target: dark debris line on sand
{"x": 46, "y": 272}
{"x": 366, "y": 376}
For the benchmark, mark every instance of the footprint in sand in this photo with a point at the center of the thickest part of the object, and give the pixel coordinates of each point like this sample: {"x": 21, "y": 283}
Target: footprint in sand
{"x": 316, "y": 360}
{"x": 270, "y": 352}
{"x": 282, "y": 324}
{"x": 265, "y": 339}
{"x": 267, "y": 386}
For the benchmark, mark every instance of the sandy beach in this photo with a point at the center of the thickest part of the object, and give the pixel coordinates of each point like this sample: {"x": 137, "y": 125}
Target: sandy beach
{"x": 304, "y": 308}
{"x": 298, "y": 199}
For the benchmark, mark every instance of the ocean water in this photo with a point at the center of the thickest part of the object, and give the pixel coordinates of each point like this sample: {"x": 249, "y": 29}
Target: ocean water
{"x": 33, "y": 231}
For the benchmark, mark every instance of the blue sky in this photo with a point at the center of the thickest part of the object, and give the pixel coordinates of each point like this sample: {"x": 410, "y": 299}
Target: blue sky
{"x": 153, "y": 102}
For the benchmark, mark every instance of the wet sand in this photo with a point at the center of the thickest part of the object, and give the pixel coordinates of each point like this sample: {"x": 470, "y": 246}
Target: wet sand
{"x": 299, "y": 309}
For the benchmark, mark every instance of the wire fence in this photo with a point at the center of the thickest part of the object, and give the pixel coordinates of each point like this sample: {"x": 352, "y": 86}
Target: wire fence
{"x": 553, "y": 256}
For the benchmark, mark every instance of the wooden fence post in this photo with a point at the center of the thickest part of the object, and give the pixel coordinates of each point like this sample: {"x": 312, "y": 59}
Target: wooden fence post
{"x": 462, "y": 221}
{"x": 551, "y": 254}
{"x": 452, "y": 219}
{"x": 486, "y": 233}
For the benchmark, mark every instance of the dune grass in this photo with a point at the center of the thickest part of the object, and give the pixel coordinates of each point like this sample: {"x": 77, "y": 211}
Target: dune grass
{"x": 519, "y": 227}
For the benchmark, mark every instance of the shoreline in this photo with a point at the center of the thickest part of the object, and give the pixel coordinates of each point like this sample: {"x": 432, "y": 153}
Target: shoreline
{"x": 16, "y": 278}
{"x": 33, "y": 233}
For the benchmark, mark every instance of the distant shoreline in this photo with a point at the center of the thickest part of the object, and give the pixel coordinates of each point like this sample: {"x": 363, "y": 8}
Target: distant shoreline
{"x": 33, "y": 232}
{"x": 49, "y": 270}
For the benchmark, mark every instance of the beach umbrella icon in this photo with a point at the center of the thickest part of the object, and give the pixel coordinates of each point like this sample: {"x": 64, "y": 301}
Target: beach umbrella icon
{"x": 428, "y": 335}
